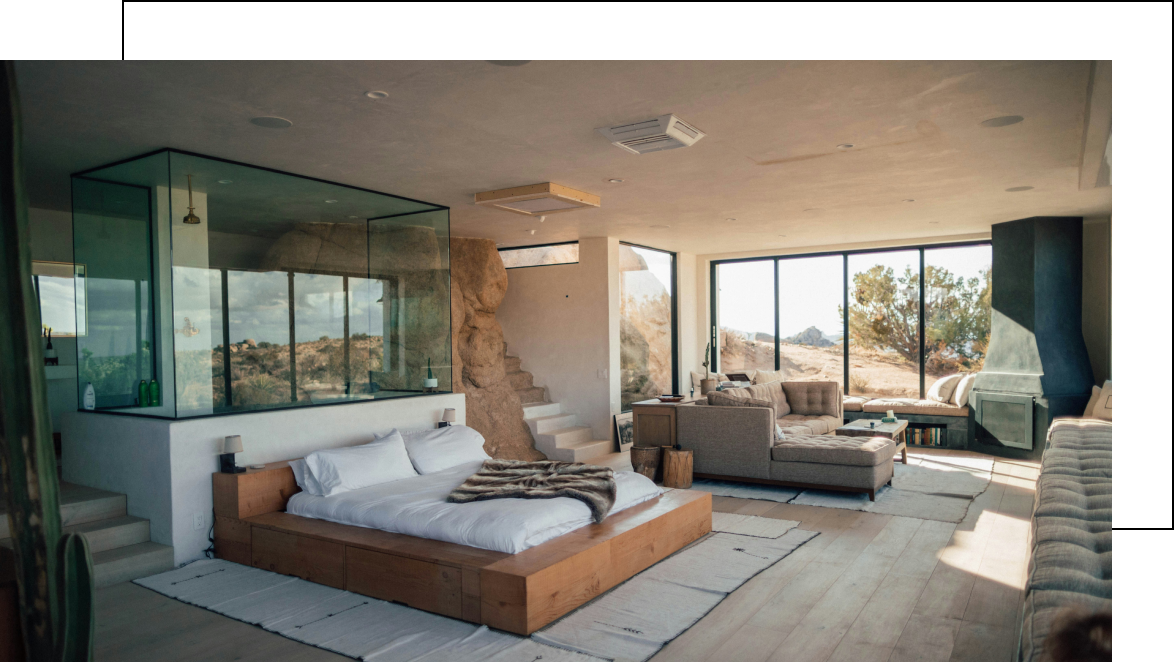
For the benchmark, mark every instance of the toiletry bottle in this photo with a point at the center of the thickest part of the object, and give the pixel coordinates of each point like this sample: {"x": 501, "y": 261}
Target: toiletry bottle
{"x": 153, "y": 390}
{"x": 144, "y": 393}
{"x": 89, "y": 400}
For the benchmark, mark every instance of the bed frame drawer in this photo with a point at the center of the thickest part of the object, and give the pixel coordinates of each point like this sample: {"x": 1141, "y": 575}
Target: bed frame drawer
{"x": 311, "y": 559}
{"x": 429, "y": 586}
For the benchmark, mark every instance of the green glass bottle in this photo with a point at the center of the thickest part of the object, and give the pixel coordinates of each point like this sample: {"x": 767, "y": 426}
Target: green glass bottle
{"x": 144, "y": 393}
{"x": 154, "y": 391}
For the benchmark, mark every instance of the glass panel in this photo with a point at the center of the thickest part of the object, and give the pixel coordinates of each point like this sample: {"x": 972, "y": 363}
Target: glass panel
{"x": 957, "y": 310}
{"x": 540, "y": 255}
{"x": 279, "y": 290}
{"x": 646, "y": 313}
{"x": 745, "y": 314}
{"x": 53, "y": 282}
{"x": 811, "y": 318}
{"x": 112, "y": 240}
{"x": 884, "y": 299}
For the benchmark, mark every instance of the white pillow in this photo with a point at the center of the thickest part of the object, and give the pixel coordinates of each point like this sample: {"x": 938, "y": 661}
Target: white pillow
{"x": 767, "y": 376}
{"x": 943, "y": 388}
{"x": 340, "y": 470}
{"x": 444, "y": 448}
{"x": 1104, "y": 407}
{"x": 698, "y": 376}
{"x": 961, "y": 395}
{"x": 304, "y": 478}
{"x": 1092, "y": 401}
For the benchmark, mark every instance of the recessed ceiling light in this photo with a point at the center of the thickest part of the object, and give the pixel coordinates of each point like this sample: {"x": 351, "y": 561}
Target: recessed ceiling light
{"x": 377, "y": 94}
{"x": 812, "y": 209}
{"x": 845, "y": 146}
{"x": 330, "y": 202}
{"x": 508, "y": 63}
{"x": 1018, "y": 189}
{"x": 731, "y": 220}
{"x": 272, "y": 122}
{"x": 616, "y": 181}
{"x": 934, "y": 222}
{"x": 1005, "y": 120}
{"x": 224, "y": 181}
{"x": 531, "y": 231}
{"x": 908, "y": 200}
{"x": 782, "y": 235}
{"x": 659, "y": 227}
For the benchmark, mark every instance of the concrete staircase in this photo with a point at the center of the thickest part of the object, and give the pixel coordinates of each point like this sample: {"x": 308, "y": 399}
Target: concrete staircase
{"x": 120, "y": 543}
{"x": 557, "y": 434}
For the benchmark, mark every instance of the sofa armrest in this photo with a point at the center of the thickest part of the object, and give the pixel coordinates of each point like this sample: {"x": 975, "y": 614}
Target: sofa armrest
{"x": 727, "y": 441}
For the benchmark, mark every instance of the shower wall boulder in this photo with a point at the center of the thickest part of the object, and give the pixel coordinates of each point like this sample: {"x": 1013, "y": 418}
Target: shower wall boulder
{"x": 492, "y": 407}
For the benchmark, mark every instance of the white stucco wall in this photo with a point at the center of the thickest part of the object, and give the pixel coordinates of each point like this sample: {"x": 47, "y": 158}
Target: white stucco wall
{"x": 563, "y": 321}
{"x": 165, "y": 467}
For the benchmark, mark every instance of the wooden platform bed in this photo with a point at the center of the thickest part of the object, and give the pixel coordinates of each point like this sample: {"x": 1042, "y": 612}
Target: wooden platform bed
{"x": 518, "y": 593}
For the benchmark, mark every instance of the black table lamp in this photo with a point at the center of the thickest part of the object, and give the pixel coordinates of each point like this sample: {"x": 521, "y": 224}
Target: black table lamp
{"x": 232, "y": 446}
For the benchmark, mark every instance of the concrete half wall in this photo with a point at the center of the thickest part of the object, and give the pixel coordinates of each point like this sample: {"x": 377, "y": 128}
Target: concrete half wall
{"x": 165, "y": 466}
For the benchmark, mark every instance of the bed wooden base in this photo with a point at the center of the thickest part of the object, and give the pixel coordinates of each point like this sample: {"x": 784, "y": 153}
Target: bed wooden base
{"x": 518, "y": 593}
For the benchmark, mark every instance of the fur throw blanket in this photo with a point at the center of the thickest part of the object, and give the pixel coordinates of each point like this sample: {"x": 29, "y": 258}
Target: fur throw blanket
{"x": 518, "y": 479}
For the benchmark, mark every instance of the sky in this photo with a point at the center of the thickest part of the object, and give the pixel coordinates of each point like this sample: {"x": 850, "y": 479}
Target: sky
{"x": 811, "y": 289}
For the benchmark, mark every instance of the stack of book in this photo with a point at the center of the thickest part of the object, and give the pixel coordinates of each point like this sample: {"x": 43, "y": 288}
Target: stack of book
{"x": 928, "y": 437}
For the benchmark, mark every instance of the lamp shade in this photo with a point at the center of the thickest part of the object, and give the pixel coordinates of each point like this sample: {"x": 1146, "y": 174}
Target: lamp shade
{"x": 232, "y": 444}
{"x": 449, "y": 416}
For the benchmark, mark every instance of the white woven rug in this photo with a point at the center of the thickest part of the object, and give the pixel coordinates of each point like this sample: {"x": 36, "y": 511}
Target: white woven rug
{"x": 934, "y": 487}
{"x": 626, "y": 623}
{"x": 750, "y": 525}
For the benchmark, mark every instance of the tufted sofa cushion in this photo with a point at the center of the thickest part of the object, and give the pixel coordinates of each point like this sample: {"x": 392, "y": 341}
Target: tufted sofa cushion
{"x": 1071, "y": 563}
{"x": 815, "y": 398}
{"x": 856, "y": 451}
{"x": 797, "y": 423}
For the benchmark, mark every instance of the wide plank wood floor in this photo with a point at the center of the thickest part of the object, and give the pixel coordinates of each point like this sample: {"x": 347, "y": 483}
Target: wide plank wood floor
{"x": 868, "y": 588}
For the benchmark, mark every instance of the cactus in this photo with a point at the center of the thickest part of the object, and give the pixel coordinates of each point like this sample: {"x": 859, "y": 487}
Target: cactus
{"x": 28, "y": 466}
{"x": 75, "y": 596}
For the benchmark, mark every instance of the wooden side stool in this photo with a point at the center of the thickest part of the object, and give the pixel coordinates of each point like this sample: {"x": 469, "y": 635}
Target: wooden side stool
{"x": 678, "y": 468}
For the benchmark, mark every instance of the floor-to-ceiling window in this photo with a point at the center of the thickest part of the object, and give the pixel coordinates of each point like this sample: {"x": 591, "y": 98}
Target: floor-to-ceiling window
{"x": 884, "y": 318}
{"x": 746, "y": 316}
{"x": 811, "y": 318}
{"x": 913, "y": 315}
{"x": 648, "y": 364}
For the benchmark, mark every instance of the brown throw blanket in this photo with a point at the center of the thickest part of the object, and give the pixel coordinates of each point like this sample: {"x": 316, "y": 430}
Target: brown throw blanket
{"x": 518, "y": 479}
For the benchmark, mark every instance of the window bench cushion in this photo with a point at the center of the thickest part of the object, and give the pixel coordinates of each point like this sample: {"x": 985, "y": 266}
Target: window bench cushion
{"x": 826, "y": 449}
{"x": 913, "y": 406}
{"x": 854, "y": 402}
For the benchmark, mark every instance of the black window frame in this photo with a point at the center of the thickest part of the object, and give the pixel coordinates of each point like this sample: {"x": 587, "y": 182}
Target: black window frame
{"x": 673, "y": 304}
{"x": 531, "y": 266}
{"x": 920, "y": 248}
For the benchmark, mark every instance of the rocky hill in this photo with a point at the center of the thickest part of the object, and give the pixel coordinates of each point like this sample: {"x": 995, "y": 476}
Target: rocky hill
{"x": 809, "y": 336}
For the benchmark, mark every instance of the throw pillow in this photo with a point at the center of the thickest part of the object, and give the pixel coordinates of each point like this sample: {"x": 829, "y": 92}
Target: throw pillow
{"x": 725, "y": 399}
{"x": 1104, "y": 407}
{"x": 340, "y": 470}
{"x": 768, "y": 376}
{"x": 943, "y": 388}
{"x": 304, "y": 478}
{"x": 698, "y": 376}
{"x": 1092, "y": 401}
{"x": 961, "y": 395}
{"x": 773, "y": 392}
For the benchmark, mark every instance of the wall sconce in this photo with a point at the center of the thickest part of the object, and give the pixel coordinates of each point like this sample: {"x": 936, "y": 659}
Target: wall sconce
{"x": 449, "y": 417}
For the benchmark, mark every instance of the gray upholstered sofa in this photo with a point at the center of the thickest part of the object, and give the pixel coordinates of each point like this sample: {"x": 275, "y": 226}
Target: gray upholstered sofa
{"x": 738, "y": 439}
{"x": 1071, "y": 560}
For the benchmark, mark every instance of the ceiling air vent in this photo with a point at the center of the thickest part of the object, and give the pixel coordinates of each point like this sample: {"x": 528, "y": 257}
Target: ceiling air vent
{"x": 655, "y": 135}
{"x": 537, "y": 199}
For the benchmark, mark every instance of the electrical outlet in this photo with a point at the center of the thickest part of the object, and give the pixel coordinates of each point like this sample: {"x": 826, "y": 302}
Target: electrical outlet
{"x": 198, "y": 522}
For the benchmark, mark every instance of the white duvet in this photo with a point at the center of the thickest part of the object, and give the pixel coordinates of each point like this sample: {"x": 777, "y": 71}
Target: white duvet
{"x": 417, "y": 507}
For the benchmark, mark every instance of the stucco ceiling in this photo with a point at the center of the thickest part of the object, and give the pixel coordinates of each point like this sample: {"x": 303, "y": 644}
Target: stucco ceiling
{"x": 450, "y": 129}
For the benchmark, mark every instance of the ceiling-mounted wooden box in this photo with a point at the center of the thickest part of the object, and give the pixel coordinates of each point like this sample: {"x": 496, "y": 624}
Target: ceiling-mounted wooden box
{"x": 537, "y": 199}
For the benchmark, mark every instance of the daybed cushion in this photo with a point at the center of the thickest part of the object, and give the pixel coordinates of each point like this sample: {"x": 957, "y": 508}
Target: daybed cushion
{"x": 854, "y": 402}
{"x": 942, "y": 389}
{"x": 913, "y": 406}
{"x": 819, "y": 449}
{"x": 961, "y": 395}
{"x": 815, "y": 424}
{"x": 442, "y": 448}
{"x": 814, "y": 398}
{"x": 341, "y": 470}
{"x": 1071, "y": 562}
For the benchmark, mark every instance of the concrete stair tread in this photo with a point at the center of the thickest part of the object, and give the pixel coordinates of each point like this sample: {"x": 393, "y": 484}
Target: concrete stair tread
{"x": 107, "y": 534}
{"x": 583, "y": 451}
{"x": 131, "y": 562}
{"x": 531, "y": 410}
{"x": 79, "y": 504}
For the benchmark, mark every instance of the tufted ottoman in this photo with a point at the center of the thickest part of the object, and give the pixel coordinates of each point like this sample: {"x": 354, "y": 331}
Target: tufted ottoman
{"x": 844, "y": 464}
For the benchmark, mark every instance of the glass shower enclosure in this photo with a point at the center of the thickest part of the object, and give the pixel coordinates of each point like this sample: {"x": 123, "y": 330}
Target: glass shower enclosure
{"x": 213, "y": 287}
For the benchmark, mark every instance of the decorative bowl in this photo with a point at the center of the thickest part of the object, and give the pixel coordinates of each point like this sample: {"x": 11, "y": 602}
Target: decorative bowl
{"x": 670, "y": 398}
